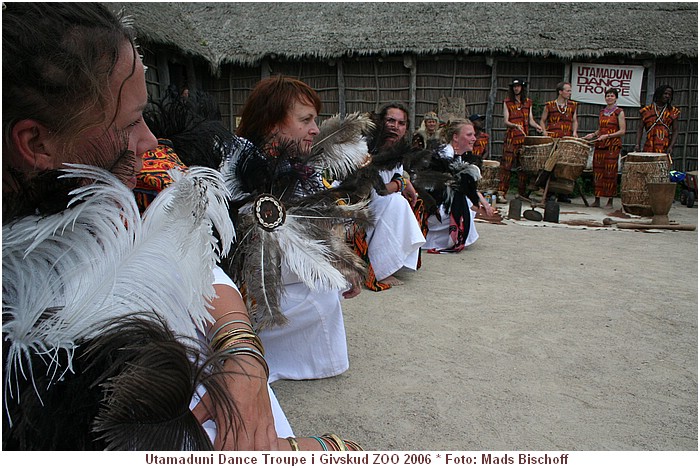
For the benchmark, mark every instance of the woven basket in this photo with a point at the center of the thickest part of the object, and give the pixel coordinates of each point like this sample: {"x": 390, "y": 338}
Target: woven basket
{"x": 532, "y": 158}
{"x": 572, "y": 156}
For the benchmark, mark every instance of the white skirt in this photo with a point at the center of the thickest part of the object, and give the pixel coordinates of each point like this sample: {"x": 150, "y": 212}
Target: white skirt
{"x": 438, "y": 231}
{"x": 312, "y": 345}
{"x": 396, "y": 238}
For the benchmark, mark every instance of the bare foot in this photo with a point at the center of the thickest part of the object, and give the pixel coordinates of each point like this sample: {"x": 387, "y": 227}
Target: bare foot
{"x": 391, "y": 280}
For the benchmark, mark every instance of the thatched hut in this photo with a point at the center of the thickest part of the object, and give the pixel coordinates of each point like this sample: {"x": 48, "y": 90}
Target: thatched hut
{"x": 360, "y": 55}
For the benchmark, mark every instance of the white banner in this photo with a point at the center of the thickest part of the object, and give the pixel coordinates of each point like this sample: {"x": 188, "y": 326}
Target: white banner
{"x": 590, "y": 80}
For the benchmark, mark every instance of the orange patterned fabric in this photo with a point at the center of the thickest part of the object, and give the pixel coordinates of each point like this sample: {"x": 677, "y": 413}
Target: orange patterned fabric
{"x": 480, "y": 145}
{"x": 518, "y": 114}
{"x": 606, "y": 155}
{"x": 358, "y": 238}
{"x": 560, "y": 124}
{"x": 657, "y": 126}
{"x": 154, "y": 175}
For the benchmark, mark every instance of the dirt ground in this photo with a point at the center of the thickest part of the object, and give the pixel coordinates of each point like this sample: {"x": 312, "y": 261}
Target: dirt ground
{"x": 538, "y": 337}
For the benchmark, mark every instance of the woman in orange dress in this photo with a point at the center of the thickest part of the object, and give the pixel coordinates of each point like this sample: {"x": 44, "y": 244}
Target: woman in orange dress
{"x": 608, "y": 143}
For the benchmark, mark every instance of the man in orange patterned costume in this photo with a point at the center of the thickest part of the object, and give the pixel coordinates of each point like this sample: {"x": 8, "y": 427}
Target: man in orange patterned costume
{"x": 560, "y": 117}
{"x": 660, "y": 120}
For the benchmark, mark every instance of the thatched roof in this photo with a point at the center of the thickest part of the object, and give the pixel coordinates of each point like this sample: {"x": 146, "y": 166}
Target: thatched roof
{"x": 245, "y": 33}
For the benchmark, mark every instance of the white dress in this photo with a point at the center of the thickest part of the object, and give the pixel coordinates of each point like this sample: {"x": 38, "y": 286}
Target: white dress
{"x": 438, "y": 236}
{"x": 281, "y": 423}
{"x": 312, "y": 344}
{"x": 395, "y": 240}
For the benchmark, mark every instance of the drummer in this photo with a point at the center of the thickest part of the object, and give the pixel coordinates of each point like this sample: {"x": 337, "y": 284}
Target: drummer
{"x": 608, "y": 143}
{"x": 560, "y": 118}
{"x": 660, "y": 123}
{"x": 517, "y": 115}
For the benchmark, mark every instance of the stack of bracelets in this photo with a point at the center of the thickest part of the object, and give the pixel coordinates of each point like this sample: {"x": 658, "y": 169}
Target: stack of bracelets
{"x": 244, "y": 341}
{"x": 329, "y": 442}
{"x": 239, "y": 341}
{"x": 401, "y": 181}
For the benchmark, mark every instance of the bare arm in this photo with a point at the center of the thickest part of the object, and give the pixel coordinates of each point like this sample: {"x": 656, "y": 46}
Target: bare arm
{"x": 246, "y": 383}
{"x": 674, "y": 135}
{"x": 534, "y": 124}
{"x": 574, "y": 122}
{"x": 506, "y": 119}
{"x": 640, "y": 131}
{"x": 543, "y": 119}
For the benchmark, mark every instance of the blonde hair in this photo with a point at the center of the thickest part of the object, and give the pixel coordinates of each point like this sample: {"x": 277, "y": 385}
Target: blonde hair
{"x": 453, "y": 127}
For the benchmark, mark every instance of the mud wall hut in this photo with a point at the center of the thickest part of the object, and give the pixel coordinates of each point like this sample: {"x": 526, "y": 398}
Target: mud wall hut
{"x": 361, "y": 55}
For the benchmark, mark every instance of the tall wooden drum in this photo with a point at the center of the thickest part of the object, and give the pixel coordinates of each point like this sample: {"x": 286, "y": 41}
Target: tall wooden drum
{"x": 489, "y": 176}
{"x": 638, "y": 170}
{"x": 572, "y": 156}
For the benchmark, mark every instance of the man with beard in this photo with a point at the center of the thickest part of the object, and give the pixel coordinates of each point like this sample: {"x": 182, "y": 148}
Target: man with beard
{"x": 395, "y": 239}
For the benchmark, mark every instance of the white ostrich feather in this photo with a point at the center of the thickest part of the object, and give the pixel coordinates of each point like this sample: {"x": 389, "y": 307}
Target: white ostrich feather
{"x": 66, "y": 275}
{"x": 460, "y": 167}
{"x": 308, "y": 258}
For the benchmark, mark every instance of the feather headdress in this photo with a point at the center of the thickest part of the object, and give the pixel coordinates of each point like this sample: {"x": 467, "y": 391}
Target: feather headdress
{"x": 286, "y": 224}
{"x": 67, "y": 274}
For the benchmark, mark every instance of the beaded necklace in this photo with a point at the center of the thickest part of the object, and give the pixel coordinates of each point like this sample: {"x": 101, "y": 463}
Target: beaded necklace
{"x": 518, "y": 102}
{"x": 656, "y": 110}
{"x": 611, "y": 111}
{"x": 559, "y": 108}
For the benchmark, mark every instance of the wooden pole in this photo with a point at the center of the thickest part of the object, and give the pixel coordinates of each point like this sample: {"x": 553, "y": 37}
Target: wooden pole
{"x": 409, "y": 62}
{"x": 491, "y": 104}
{"x": 231, "y": 117}
{"x": 342, "y": 103}
{"x": 376, "y": 84}
{"x": 163, "y": 73}
{"x": 688, "y": 116}
{"x": 651, "y": 82}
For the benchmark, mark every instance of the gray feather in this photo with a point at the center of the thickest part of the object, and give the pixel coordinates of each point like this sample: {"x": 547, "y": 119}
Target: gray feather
{"x": 340, "y": 147}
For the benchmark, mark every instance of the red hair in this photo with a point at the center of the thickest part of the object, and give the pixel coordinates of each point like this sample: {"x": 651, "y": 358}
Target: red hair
{"x": 269, "y": 103}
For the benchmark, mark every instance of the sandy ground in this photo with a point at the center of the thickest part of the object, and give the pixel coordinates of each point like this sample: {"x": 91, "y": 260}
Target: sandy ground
{"x": 535, "y": 338}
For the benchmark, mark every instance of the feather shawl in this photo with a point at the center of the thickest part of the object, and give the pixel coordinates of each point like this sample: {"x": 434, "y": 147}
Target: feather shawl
{"x": 307, "y": 234}
{"x": 440, "y": 179}
{"x": 66, "y": 275}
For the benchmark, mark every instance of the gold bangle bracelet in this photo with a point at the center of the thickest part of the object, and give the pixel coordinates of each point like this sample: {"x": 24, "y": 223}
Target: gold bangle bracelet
{"x": 338, "y": 442}
{"x": 216, "y": 343}
{"x": 294, "y": 444}
{"x": 235, "y": 333}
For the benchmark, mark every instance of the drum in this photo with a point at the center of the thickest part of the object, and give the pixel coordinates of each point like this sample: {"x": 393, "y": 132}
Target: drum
{"x": 537, "y": 140}
{"x": 532, "y": 158}
{"x": 638, "y": 170}
{"x": 561, "y": 186}
{"x": 489, "y": 176}
{"x": 572, "y": 156}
